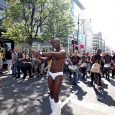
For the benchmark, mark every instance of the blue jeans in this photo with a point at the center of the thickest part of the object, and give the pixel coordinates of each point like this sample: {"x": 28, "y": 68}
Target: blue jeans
{"x": 76, "y": 76}
{"x": 14, "y": 69}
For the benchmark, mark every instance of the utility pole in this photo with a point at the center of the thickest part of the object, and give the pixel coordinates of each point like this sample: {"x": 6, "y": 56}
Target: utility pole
{"x": 78, "y": 32}
{"x": 68, "y": 43}
{"x": 73, "y": 42}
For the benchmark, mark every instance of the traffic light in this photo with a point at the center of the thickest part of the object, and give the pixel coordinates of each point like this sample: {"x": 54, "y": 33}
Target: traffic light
{"x": 76, "y": 45}
{"x": 76, "y": 42}
{"x": 72, "y": 42}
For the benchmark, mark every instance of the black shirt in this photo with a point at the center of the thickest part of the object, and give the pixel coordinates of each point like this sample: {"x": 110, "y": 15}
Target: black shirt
{"x": 107, "y": 59}
{"x": 75, "y": 59}
{"x": 8, "y": 55}
{"x": 113, "y": 58}
{"x": 95, "y": 58}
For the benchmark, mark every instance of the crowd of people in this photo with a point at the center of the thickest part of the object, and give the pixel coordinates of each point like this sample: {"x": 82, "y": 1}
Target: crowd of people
{"x": 21, "y": 62}
{"x": 5, "y": 58}
{"x": 84, "y": 61}
{"x": 54, "y": 64}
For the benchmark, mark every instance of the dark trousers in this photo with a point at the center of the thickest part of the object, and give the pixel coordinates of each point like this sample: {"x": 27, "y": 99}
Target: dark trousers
{"x": 18, "y": 70}
{"x": 83, "y": 70}
{"x": 107, "y": 72}
{"x": 14, "y": 69}
{"x": 102, "y": 70}
{"x": 113, "y": 72}
{"x": 99, "y": 78}
{"x": 25, "y": 69}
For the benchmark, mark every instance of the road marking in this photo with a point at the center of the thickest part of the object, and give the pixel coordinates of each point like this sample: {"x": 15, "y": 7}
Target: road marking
{"x": 94, "y": 106}
{"x": 68, "y": 99}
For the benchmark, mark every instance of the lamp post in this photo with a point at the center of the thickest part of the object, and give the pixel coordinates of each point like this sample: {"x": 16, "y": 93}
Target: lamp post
{"x": 78, "y": 31}
{"x": 73, "y": 43}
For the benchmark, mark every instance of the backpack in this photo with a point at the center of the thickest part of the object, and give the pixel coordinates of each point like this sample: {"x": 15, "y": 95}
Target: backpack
{"x": 95, "y": 68}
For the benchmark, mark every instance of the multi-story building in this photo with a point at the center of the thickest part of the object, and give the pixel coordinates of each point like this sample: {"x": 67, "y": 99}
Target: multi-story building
{"x": 83, "y": 30}
{"x": 87, "y": 34}
{"x": 76, "y": 10}
{"x": 98, "y": 42}
{"x": 3, "y": 5}
{"x": 103, "y": 45}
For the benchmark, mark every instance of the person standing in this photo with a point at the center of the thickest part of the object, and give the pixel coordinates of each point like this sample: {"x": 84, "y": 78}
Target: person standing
{"x": 75, "y": 59}
{"x": 113, "y": 65}
{"x": 84, "y": 64}
{"x": 26, "y": 65}
{"x": 107, "y": 65}
{"x": 96, "y": 58}
{"x": 14, "y": 63}
{"x": 8, "y": 58}
{"x": 55, "y": 73}
{"x": 1, "y": 60}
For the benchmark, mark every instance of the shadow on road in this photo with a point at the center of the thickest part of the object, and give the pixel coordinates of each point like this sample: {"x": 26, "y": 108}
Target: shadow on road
{"x": 103, "y": 97}
{"x": 21, "y": 97}
{"x": 112, "y": 82}
{"x": 67, "y": 110}
{"x": 80, "y": 94}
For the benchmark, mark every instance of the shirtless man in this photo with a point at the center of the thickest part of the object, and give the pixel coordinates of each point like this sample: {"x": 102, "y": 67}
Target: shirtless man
{"x": 55, "y": 74}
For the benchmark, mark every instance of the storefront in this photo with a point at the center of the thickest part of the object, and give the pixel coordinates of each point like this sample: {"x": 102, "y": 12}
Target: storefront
{"x": 6, "y": 42}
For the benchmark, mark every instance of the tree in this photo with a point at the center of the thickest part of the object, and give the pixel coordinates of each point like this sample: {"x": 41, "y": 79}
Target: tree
{"x": 24, "y": 19}
{"x": 60, "y": 22}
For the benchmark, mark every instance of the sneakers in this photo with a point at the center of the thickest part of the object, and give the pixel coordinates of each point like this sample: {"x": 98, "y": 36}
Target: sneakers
{"x": 43, "y": 78}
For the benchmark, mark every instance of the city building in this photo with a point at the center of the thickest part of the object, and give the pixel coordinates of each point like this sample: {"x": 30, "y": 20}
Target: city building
{"x": 98, "y": 42}
{"x": 76, "y": 10}
{"x": 3, "y": 5}
{"x": 86, "y": 34}
{"x": 103, "y": 45}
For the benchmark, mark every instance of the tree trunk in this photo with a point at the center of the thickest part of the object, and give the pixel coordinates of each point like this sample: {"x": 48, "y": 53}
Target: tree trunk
{"x": 30, "y": 48}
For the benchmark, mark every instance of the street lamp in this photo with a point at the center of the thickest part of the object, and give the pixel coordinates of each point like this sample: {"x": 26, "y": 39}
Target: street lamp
{"x": 78, "y": 30}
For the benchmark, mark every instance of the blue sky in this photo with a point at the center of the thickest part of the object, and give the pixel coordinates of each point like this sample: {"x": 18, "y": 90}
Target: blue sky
{"x": 103, "y": 18}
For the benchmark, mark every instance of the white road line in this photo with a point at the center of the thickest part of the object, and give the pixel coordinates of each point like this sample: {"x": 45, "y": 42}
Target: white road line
{"x": 96, "y": 107}
{"x": 105, "y": 81}
{"x": 2, "y": 77}
{"x": 68, "y": 99}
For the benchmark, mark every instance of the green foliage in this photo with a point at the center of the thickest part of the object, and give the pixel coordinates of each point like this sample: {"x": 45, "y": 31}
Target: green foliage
{"x": 24, "y": 18}
{"x": 60, "y": 23}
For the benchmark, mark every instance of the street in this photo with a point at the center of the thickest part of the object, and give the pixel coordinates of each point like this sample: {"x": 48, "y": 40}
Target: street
{"x": 30, "y": 97}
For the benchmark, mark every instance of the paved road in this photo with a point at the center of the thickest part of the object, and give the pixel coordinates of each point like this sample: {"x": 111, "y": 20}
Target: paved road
{"x": 30, "y": 97}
